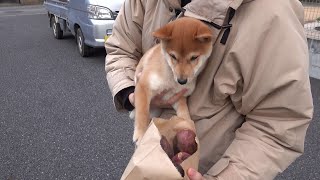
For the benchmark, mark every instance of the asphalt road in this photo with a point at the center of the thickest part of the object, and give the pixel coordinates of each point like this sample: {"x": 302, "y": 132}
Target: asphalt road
{"x": 57, "y": 120}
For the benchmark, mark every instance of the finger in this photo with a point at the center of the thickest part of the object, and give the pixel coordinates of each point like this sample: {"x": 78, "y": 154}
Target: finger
{"x": 177, "y": 96}
{"x": 159, "y": 96}
{"x": 131, "y": 98}
{"x": 194, "y": 175}
{"x": 158, "y": 102}
{"x": 158, "y": 99}
{"x": 138, "y": 76}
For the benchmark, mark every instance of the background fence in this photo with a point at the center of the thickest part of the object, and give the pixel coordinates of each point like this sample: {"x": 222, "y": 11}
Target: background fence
{"x": 312, "y": 18}
{"x": 312, "y": 29}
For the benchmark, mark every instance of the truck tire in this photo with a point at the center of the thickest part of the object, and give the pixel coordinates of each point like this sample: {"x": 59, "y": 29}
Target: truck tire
{"x": 57, "y": 32}
{"x": 84, "y": 49}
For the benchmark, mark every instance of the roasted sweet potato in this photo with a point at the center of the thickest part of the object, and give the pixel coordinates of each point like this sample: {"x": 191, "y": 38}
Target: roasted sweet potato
{"x": 180, "y": 157}
{"x": 166, "y": 146}
{"x": 180, "y": 169}
{"x": 185, "y": 141}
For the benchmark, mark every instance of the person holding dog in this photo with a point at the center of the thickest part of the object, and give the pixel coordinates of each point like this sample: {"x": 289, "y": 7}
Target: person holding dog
{"x": 252, "y": 103}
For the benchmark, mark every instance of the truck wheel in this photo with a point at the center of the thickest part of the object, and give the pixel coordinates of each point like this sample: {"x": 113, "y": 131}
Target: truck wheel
{"x": 84, "y": 50}
{"x": 57, "y": 32}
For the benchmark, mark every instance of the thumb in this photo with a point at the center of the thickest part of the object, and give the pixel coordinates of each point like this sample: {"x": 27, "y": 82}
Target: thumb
{"x": 194, "y": 175}
{"x": 131, "y": 98}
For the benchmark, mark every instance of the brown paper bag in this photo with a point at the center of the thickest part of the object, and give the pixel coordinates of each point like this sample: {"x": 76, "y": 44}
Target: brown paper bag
{"x": 149, "y": 160}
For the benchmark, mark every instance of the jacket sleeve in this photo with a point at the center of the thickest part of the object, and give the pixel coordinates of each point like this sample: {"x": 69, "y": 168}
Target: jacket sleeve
{"x": 124, "y": 48}
{"x": 268, "y": 82}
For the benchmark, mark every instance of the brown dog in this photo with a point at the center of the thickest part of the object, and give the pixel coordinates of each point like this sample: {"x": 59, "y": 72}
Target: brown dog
{"x": 172, "y": 65}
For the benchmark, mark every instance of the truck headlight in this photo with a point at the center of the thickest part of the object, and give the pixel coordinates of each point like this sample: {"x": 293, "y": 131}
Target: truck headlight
{"x": 98, "y": 12}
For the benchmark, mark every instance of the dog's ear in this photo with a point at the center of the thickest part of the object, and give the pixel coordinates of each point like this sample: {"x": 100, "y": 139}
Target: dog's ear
{"x": 204, "y": 33}
{"x": 164, "y": 33}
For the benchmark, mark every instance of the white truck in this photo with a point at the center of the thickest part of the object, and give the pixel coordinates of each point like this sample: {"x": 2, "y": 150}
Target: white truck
{"x": 90, "y": 21}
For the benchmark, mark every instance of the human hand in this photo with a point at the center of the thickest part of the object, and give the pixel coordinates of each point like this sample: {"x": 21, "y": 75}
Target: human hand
{"x": 158, "y": 100}
{"x": 194, "y": 175}
{"x": 131, "y": 98}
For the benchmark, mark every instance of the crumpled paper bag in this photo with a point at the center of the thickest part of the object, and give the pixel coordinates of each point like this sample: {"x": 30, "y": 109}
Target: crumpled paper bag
{"x": 150, "y": 162}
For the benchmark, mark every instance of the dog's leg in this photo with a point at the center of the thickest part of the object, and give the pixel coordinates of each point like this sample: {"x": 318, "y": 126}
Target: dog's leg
{"x": 142, "y": 108}
{"x": 181, "y": 108}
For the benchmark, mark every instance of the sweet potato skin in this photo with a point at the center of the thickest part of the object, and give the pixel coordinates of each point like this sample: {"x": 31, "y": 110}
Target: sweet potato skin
{"x": 166, "y": 146}
{"x": 180, "y": 157}
{"x": 185, "y": 141}
{"x": 184, "y": 145}
{"x": 180, "y": 169}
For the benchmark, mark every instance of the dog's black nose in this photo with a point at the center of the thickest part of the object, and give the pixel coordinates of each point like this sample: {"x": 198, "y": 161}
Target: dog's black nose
{"x": 182, "y": 81}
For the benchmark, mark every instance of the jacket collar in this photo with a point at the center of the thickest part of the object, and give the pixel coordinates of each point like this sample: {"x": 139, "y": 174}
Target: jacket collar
{"x": 213, "y": 11}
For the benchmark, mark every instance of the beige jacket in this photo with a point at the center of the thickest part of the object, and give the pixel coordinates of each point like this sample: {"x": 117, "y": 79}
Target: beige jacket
{"x": 252, "y": 104}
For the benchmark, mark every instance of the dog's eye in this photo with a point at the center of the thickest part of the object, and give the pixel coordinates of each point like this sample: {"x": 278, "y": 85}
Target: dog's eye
{"x": 194, "y": 58}
{"x": 173, "y": 56}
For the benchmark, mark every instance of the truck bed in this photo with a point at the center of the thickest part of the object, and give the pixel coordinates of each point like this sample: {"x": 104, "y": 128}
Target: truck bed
{"x": 57, "y": 7}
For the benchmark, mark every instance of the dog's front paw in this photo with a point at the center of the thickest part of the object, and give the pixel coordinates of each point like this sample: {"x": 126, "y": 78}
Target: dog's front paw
{"x": 137, "y": 136}
{"x": 132, "y": 114}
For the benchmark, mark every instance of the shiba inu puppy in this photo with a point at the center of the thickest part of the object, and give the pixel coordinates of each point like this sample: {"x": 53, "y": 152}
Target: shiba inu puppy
{"x": 172, "y": 65}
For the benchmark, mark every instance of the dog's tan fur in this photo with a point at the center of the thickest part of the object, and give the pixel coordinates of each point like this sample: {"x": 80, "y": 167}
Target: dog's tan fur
{"x": 186, "y": 44}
